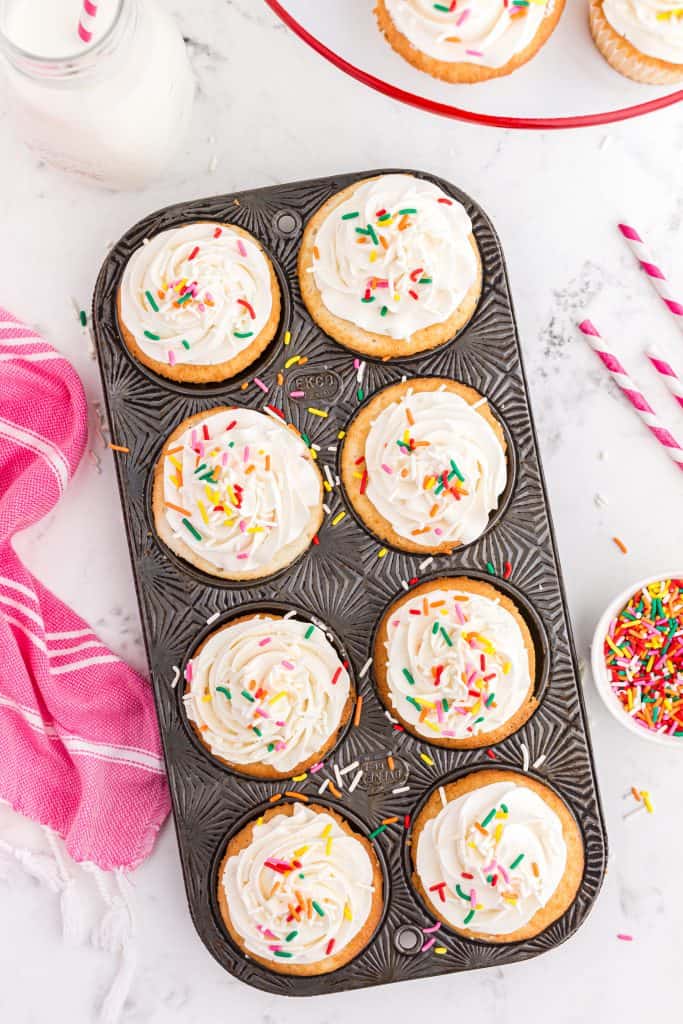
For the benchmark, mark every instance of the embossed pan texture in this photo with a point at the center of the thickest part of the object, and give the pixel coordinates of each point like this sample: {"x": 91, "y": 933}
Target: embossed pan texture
{"x": 342, "y": 582}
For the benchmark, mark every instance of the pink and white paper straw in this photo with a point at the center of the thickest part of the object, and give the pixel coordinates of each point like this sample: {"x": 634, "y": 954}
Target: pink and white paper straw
{"x": 632, "y": 392}
{"x": 655, "y": 273}
{"x": 668, "y": 375}
{"x": 87, "y": 21}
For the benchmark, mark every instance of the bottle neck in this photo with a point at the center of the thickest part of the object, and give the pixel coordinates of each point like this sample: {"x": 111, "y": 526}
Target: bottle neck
{"x": 80, "y": 65}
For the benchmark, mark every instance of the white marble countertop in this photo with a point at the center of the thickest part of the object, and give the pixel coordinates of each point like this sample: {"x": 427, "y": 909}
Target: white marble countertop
{"x": 269, "y": 110}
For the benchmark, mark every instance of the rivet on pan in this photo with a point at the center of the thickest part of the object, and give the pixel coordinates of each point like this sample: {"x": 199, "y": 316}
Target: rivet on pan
{"x": 408, "y": 939}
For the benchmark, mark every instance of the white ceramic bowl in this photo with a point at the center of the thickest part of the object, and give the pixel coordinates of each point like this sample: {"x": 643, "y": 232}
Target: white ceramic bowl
{"x": 610, "y": 700}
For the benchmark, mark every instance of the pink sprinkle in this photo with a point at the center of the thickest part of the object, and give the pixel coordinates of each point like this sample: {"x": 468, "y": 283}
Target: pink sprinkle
{"x": 280, "y": 745}
{"x": 188, "y": 672}
{"x": 274, "y": 949}
{"x": 208, "y": 297}
{"x": 434, "y": 928}
{"x": 266, "y": 640}
{"x": 315, "y": 767}
{"x": 224, "y": 459}
{"x": 356, "y": 364}
{"x": 459, "y": 614}
{"x": 387, "y": 469}
{"x": 625, "y": 938}
{"x": 438, "y": 531}
{"x": 262, "y": 712}
{"x": 474, "y": 53}
{"x": 428, "y": 945}
{"x": 395, "y": 622}
{"x": 462, "y": 18}
{"x": 171, "y": 358}
{"x": 243, "y": 529}
{"x": 288, "y": 665}
{"x": 473, "y": 898}
{"x": 245, "y": 455}
{"x": 448, "y": 732}
{"x": 281, "y": 724}
{"x": 259, "y": 384}
{"x": 241, "y": 248}
{"x": 193, "y": 437}
{"x": 244, "y": 555}
{"x": 297, "y": 394}
{"x": 439, "y": 711}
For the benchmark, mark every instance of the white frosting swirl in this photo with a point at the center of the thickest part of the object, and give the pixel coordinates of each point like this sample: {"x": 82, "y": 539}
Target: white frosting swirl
{"x": 267, "y": 691}
{"x": 406, "y": 462}
{"x": 317, "y": 861}
{"x": 655, "y": 27}
{"x": 395, "y": 257}
{"x": 459, "y": 657}
{"x": 248, "y": 484}
{"x": 485, "y": 32}
{"x": 198, "y": 294}
{"x": 505, "y": 873}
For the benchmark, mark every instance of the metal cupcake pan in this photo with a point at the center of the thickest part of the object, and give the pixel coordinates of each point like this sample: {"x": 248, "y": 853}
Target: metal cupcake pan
{"x": 342, "y": 583}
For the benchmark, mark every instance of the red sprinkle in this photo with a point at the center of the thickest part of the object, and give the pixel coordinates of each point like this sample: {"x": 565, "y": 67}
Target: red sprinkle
{"x": 490, "y": 753}
{"x": 193, "y": 253}
{"x": 439, "y": 887}
{"x": 406, "y": 821}
{"x": 507, "y": 570}
{"x": 248, "y": 307}
{"x": 329, "y": 947}
{"x": 218, "y": 232}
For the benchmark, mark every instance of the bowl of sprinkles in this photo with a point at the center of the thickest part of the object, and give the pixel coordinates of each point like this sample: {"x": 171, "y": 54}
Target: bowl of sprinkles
{"x": 637, "y": 659}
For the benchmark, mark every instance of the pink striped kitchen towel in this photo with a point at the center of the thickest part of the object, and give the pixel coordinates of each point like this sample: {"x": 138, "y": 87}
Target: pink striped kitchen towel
{"x": 79, "y": 743}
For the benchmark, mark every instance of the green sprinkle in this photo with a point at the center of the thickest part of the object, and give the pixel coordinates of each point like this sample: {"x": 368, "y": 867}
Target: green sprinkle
{"x": 247, "y": 334}
{"x": 195, "y": 533}
{"x": 83, "y": 317}
{"x": 463, "y": 895}
{"x": 490, "y": 700}
{"x": 152, "y": 337}
{"x": 282, "y": 952}
{"x": 490, "y": 569}
{"x": 415, "y": 703}
{"x": 373, "y": 835}
{"x": 271, "y": 748}
{"x": 373, "y": 236}
{"x": 185, "y": 343}
{"x": 186, "y": 298}
{"x": 489, "y": 817}
{"x": 200, "y": 467}
{"x": 516, "y": 862}
{"x": 384, "y": 310}
{"x": 360, "y": 394}
{"x": 306, "y": 439}
{"x": 150, "y": 298}
{"x": 403, "y": 213}
{"x": 425, "y": 280}
{"x": 370, "y": 298}
{"x": 318, "y": 909}
{"x": 504, "y": 808}
{"x": 292, "y": 935}
{"x": 309, "y": 632}
{"x": 248, "y": 696}
{"x": 435, "y": 628}
{"x": 457, "y": 472}
{"x": 444, "y": 704}
{"x": 225, "y": 690}
{"x": 385, "y": 216}
{"x": 208, "y": 476}
{"x": 446, "y": 637}
{"x": 350, "y": 216}
{"x": 257, "y": 731}
{"x": 467, "y": 919}
{"x": 478, "y": 720}
{"x": 408, "y": 676}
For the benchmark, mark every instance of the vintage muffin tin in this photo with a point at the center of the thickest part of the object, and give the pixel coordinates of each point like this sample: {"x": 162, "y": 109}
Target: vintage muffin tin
{"x": 342, "y": 582}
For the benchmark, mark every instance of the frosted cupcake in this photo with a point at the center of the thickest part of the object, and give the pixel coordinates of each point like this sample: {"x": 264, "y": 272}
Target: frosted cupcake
{"x": 389, "y": 266}
{"x": 455, "y": 663}
{"x": 300, "y": 891}
{"x": 236, "y": 493}
{"x": 642, "y": 39}
{"x": 199, "y": 303}
{"x": 268, "y": 696}
{"x": 468, "y": 41}
{"x": 424, "y": 464}
{"x": 497, "y": 856}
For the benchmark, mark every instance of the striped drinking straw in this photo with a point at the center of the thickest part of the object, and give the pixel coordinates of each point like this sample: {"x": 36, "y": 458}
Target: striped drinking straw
{"x": 87, "y": 20}
{"x": 654, "y": 272}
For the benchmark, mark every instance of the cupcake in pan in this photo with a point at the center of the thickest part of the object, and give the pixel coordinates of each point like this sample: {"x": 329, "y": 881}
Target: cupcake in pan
{"x": 236, "y": 493}
{"x": 300, "y": 891}
{"x": 642, "y": 39}
{"x": 199, "y": 303}
{"x": 268, "y": 695}
{"x": 497, "y": 856}
{"x": 389, "y": 266}
{"x": 468, "y": 41}
{"x": 454, "y": 661}
{"x": 424, "y": 464}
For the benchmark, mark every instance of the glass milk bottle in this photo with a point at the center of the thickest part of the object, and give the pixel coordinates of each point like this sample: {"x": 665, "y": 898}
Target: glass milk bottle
{"x": 110, "y": 100}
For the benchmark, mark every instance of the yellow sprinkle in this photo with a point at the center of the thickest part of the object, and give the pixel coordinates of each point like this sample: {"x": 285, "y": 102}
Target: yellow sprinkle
{"x": 328, "y": 846}
{"x": 318, "y": 412}
{"x": 299, "y": 778}
{"x": 288, "y": 337}
{"x": 358, "y": 476}
{"x": 301, "y": 851}
{"x": 259, "y": 821}
{"x": 431, "y": 725}
{"x": 341, "y": 435}
{"x": 498, "y": 833}
{"x": 373, "y": 255}
{"x": 440, "y": 950}
{"x": 506, "y": 668}
{"x": 338, "y": 518}
{"x": 427, "y": 760}
{"x": 278, "y": 696}
{"x": 202, "y": 510}
{"x": 177, "y": 480}
{"x": 174, "y": 462}
{"x": 327, "y": 485}
{"x": 291, "y": 361}
{"x": 510, "y": 899}
{"x": 347, "y": 912}
{"x": 382, "y": 552}
{"x": 206, "y": 698}
{"x": 254, "y": 529}
{"x": 646, "y": 800}
{"x": 397, "y": 297}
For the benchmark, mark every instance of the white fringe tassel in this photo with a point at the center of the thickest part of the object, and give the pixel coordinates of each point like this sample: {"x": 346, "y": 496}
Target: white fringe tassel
{"x": 113, "y": 929}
